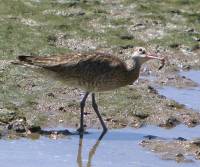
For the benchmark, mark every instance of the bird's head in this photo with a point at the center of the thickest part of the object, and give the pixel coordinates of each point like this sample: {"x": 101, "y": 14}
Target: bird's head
{"x": 141, "y": 55}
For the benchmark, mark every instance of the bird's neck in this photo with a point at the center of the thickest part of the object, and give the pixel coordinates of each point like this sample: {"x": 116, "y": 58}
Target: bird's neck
{"x": 133, "y": 69}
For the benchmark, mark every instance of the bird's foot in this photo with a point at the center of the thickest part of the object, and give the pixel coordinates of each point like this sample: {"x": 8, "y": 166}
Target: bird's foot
{"x": 81, "y": 130}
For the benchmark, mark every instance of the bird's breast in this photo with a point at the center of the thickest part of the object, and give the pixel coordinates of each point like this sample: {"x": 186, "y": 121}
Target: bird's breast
{"x": 94, "y": 77}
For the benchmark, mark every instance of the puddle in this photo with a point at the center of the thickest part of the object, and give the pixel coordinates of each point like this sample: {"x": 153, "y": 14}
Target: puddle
{"x": 193, "y": 75}
{"x": 187, "y": 96}
{"x": 149, "y": 77}
{"x": 117, "y": 148}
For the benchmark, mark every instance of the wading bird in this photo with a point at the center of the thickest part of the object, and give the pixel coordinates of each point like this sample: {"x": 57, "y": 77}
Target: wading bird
{"x": 93, "y": 72}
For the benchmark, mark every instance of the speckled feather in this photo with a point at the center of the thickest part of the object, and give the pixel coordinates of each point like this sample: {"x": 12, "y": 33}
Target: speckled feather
{"x": 89, "y": 71}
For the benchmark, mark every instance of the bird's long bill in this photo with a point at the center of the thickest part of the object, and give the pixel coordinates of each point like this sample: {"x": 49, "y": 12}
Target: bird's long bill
{"x": 154, "y": 56}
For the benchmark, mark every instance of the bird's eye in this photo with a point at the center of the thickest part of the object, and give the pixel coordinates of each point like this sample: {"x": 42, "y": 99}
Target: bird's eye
{"x": 142, "y": 51}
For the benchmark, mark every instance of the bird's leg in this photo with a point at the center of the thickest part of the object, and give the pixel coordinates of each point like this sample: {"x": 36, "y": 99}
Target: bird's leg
{"x": 95, "y": 107}
{"x": 82, "y": 105}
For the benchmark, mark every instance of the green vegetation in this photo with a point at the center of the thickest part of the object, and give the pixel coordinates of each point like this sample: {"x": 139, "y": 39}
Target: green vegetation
{"x": 27, "y": 26}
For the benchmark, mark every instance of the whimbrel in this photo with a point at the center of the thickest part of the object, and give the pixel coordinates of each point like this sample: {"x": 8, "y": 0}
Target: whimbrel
{"x": 93, "y": 72}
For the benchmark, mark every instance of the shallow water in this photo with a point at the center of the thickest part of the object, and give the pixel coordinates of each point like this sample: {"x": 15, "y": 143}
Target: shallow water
{"x": 117, "y": 148}
{"x": 193, "y": 75}
{"x": 190, "y": 97}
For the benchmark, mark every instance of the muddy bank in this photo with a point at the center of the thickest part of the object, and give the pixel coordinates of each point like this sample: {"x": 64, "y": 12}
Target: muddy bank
{"x": 179, "y": 150}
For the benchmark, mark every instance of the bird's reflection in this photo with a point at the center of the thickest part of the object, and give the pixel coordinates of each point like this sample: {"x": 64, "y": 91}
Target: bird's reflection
{"x": 92, "y": 150}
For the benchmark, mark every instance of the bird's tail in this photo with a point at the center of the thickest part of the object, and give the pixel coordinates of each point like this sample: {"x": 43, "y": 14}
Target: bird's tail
{"x": 26, "y": 59}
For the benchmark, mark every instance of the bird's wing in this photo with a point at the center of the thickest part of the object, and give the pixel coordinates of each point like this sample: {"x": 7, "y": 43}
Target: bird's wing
{"x": 71, "y": 59}
{"x": 48, "y": 61}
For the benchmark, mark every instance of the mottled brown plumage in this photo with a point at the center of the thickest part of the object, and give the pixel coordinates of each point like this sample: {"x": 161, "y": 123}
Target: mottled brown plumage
{"x": 93, "y": 72}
